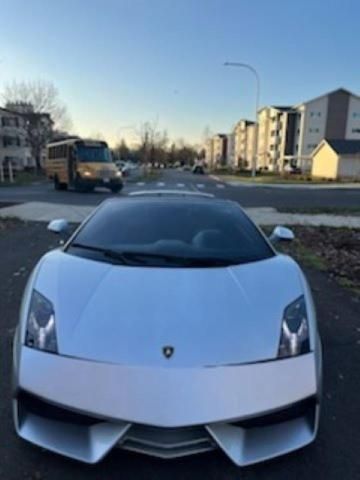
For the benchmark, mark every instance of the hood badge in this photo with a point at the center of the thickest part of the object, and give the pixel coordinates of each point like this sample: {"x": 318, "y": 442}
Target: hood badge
{"x": 168, "y": 351}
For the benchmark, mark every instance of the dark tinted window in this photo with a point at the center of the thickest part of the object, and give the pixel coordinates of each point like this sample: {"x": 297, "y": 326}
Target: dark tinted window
{"x": 177, "y": 228}
{"x": 93, "y": 154}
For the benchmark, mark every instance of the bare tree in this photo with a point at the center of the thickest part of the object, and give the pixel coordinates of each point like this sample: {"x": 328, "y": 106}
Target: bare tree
{"x": 153, "y": 142}
{"x": 43, "y": 113}
{"x": 43, "y": 97}
{"x": 122, "y": 150}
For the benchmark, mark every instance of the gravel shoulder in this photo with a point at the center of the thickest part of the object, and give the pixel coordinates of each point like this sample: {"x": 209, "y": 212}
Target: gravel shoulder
{"x": 334, "y": 455}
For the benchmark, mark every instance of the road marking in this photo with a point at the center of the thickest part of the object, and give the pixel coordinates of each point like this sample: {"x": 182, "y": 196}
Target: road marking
{"x": 220, "y": 185}
{"x": 140, "y": 184}
{"x": 160, "y": 184}
{"x": 181, "y": 185}
{"x": 200, "y": 185}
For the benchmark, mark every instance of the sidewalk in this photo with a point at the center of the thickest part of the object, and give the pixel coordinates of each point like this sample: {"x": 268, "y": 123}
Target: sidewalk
{"x": 44, "y": 212}
{"x": 284, "y": 184}
{"x": 292, "y": 186}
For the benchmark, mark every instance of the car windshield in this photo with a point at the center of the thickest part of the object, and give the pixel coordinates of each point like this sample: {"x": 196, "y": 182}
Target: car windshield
{"x": 171, "y": 233}
{"x": 93, "y": 154}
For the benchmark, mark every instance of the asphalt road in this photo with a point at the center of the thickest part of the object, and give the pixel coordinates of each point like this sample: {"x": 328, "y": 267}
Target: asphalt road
{"x": 334, "y": 455}
{"x": 248, "y": 196}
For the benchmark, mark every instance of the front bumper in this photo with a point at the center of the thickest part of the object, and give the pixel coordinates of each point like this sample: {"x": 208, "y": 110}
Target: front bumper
{"x": 83, "y": 409}
{"x": 100, "y": 182}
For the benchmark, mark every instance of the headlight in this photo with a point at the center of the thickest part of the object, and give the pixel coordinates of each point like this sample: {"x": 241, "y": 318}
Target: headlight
{"x": 41, "y": 332}
{"x": 118, "y": 174}
{"x": 86, "y": 173}
{"x": 294, "y": 330}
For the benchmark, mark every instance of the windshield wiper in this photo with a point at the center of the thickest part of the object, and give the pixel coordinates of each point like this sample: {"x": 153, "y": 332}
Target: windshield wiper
{"x": 131, "y": 257}
{"x": 169, "y": 260}
{"x": 106, "y": 252}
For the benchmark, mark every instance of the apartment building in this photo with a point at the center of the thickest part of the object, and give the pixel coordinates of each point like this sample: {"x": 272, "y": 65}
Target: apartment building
{"x": 220, "y": 141}
{"x": 13, "y": 143}
{"x": 244, "y": 138}
{"x": 276, "y": 136}
{"x": 251, "y": 147}
{"x": 230, "y": 150}
{"x": 289, "y": 134}
{"x": 335, "y": 115}
{"x": 209, "y": 152}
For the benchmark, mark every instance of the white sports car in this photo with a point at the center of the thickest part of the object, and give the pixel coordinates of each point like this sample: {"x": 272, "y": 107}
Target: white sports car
{"x": 167, "y": 324}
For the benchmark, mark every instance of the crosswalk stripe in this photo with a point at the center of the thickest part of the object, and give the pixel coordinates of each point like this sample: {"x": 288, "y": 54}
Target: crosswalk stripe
{"x": 161, "y": 184}
{"x": 140, "y": 184}
{"x": 180, "y": 185}
{"x": 200, "y": 185}
{"x": 220, "y": 185}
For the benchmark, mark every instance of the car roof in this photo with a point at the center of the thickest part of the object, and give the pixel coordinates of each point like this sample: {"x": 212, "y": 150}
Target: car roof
{"x": 174, "y": 197}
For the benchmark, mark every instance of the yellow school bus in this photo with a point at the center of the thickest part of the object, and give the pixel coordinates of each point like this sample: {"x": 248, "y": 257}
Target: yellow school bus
{"x": 82, "y": 165}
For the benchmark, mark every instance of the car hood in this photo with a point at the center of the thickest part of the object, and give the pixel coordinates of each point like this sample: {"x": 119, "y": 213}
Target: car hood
{"x": 127, "y": 315}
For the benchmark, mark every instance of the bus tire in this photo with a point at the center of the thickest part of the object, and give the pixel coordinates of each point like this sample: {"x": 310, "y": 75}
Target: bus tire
{"x": 59, "y": 185}
{"x": 56, "y": 183}
{"x": 116, "y": 188}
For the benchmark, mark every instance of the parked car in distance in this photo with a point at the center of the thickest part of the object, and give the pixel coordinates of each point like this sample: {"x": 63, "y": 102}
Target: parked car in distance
{"x": 126, "y": 167}
{"x": 292, "y": 169}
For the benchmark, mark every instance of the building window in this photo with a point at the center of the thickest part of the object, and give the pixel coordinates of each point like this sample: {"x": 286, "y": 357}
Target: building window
{"x": 11, "y": 141}
{"x": 314, "y": 130}
{"x": 356, "y": 130}
{"x": 356, "y": 115}
{"x": 312, "y": 145}
{"x": 10, "y": 122}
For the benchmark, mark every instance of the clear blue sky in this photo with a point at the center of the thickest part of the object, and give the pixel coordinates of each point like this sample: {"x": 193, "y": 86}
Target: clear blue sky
{"x": 121, "y": 62}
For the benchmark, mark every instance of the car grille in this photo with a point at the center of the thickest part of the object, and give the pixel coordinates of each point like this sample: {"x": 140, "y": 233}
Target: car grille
{"x": 167, "y": 442}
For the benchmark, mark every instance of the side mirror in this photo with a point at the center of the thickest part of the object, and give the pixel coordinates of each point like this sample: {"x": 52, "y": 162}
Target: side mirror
{"x": 281, "y": 234}
{"x": 59, "y": 226}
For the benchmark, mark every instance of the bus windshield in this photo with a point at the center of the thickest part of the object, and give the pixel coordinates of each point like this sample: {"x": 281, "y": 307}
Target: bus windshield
{"x": 98, "y": 154}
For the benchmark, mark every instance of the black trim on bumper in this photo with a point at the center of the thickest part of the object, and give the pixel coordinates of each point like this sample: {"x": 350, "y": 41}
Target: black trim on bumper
{"x": 35, "y": 405}
{"x": 300, "y": 409}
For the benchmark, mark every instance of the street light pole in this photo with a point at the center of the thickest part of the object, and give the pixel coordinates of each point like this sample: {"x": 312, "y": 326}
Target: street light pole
{"x": 257, "y": 99}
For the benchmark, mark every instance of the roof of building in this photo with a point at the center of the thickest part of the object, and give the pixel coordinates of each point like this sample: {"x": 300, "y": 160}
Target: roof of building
{"x": 3, "y": 109}
{"x": 280, "y": 108}
{"x": 341, "y": 89}
{"x": 345, "y": 147}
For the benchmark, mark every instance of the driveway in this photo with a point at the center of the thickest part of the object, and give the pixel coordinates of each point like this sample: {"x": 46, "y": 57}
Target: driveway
{"x": 334, "y": 456}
